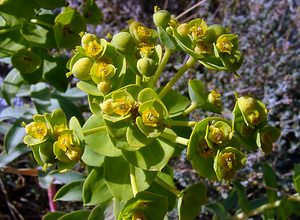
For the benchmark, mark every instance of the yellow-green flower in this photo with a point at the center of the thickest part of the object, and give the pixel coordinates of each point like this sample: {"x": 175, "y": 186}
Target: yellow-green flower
{"x": 204, "y": 150}
{"x": 37, "y": 130}
{"x": 150, "y": 117}
{"x": 198, "y": 28}
{"x": 122, "y": 106}
{"x": 65, "y": 141}
{"x": 102, "y": 71}
{"x": 227, "y": 161}
{"x": 58, "y": 128}
{"x": 203, "y": 48}
{"x": 93, "y": 48}
{"x": 224, "y": 44}
{"x": 74, "y": 154}
{"x": 216, "y": 134}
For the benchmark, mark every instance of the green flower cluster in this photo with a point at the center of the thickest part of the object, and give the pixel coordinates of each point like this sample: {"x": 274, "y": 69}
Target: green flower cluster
{"x": 216, "y": 145}
{"x": 52, "y": 141}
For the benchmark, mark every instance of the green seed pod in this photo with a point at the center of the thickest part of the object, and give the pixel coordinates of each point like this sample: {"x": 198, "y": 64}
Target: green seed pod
{"x": 124, "y": 42}
{"x": 183, "y": 29}
{"x": 107, "y": 106}
{"x": 87, "y": 38}
{"x": 81, "y": 69}
{"x": 146, "y": 66}
{"x": 214, "y": 98}
{"x": 161, "y": 18}
{"x": 104, "y": 87}
{"x": 213, "y": 32}
{"x": 253, "y": 111}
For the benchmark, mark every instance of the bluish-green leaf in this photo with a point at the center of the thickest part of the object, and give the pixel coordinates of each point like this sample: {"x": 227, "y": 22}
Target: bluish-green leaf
{"x": 53, "y": 215}
{"x": 70, "y": 192}
{"x": 191, "y": 200}
{"x": 76, "y": 215}
{"x": 95, "y": 190}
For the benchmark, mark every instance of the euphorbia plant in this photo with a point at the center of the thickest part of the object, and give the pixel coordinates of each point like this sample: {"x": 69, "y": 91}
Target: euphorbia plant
{"x": 127, "y": 142}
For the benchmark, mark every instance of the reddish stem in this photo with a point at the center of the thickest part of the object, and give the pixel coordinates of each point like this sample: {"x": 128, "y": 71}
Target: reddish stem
{"x": 51, "y": 194}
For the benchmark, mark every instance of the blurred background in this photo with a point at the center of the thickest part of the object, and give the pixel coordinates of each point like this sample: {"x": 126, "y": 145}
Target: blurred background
{"x": 269, "y": 38}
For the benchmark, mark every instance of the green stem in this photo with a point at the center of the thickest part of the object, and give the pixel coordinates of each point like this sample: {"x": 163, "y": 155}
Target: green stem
{"x": 190, "y": 62}
{"x": 42, "y": 23}
{"x": 9, "y": 29}
{"x": 94, "y": 130}
{"x": 190, "y": 109}
{"x": 175, "y": 138}
{"x": 165, "y": 185}
{"x": 134, "y": 186}
{"x": 180, "y": 123}
{"x": 263, "y": 208}
{"x": 161, "y": 67}
{"x": 138, "y": 80}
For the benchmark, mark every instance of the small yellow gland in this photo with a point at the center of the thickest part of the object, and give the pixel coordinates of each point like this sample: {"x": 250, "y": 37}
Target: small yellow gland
{"x": 104, "y": 87}
{"x": 253, "y": 118}
{"x": 227, "y": 161}
{"x": 216, "y": 134}
{"x": 37, "y": 130}
{"x": 122, "y": 106}
{"x": 143, "y": 33}
{"x": 74, "y": 154}
{"x": 145, "y": 49}
{"x": 224, "y": 44}
{"x": 214, "y": 98}
{"x": 150, "y": 117}
{"x": 93, "y": 48}
{"x": 65, "y": 141}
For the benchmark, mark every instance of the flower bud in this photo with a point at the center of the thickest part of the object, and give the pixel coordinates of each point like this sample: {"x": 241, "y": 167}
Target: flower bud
{"x": 146, "y": 66}
{"x": 183, "y": 29}
{"x": 124, "y": 42}
{"x": 104, "y": 87}
{"x": 161, "y": 18}
{"x": 107, "y": 106}
{"x": 81, "y": 69}
{"x": 87, "y": 38}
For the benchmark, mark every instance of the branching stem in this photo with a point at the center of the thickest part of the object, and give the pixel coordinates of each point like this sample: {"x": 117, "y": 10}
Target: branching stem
{"x": 181, "y": 123}
{"x": 161, "y": 67}
{"x": 190, "y": 62}
{"x": 175, "y": 138}
{"x": 190, "y": 109}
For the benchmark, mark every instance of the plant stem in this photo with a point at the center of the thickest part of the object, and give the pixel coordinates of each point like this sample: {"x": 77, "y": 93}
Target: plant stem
{"x": 180, "y": 72}
{"x": 175, "y": 138}
{"x": 261, "y": 209}
{"x": 190, "y": 109}
{"x": 134, "y": 186}
{"x": 180, "y": 123}
{"x": 94, "y": 130}
{"x": 161, "y": 66}
{"x": 165, "y": 185}
{"x": 42, "y": 23}
{"x": 138, "y": 80}
{"x": 51, "y": 194}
